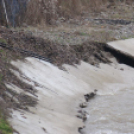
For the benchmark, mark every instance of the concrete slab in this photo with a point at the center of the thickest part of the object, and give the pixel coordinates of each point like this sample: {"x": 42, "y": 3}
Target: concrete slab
{"x": 126, "y": 46}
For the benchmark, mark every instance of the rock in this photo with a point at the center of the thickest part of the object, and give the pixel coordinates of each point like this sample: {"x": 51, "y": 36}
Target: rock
{"x": 44, "y": 129}
{"x": 83, "y": 105}
{"x": 84, "y": 117}
{"x": 90, "y": 95}
{"x": 79, "y": 116}
{"x": 80, "y": 129}
{"x": 121, "y": 69}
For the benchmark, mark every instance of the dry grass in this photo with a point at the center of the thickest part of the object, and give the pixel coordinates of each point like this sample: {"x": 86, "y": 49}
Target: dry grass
{"x": 47, "y": 11}
{"x": 79, "y": 6}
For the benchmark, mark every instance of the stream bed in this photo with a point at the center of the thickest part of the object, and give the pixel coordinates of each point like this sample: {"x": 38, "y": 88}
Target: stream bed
{"x": 111, "y": 114}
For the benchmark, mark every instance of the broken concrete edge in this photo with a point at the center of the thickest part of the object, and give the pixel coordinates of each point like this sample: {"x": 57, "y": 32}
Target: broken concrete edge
{"x": 122, "y": 57}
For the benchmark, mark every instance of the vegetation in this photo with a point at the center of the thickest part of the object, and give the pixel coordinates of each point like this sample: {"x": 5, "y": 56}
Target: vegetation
{"x": 47, "y": 11}
{"x": 4, "y": 126}
{"x": 3, "y": 41}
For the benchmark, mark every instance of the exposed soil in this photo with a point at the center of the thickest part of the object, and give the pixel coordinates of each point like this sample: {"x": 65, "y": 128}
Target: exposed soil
{"x": 19, "y": 45}
{"x": 58, "y": 54}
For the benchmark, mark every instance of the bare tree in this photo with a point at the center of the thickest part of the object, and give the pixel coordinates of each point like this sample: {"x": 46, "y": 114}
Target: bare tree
{"x": 4, "y": 7}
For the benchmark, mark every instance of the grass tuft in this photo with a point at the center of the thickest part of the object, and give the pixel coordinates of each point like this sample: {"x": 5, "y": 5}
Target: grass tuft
{"x": 3, "y": 41}
{"x": 4, "y": 126}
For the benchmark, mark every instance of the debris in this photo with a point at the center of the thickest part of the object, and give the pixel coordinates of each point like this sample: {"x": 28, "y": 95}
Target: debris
{"x": 44, "y": 130}
{"x": 90, "y": 95}
{"x": 122, "y": 69}
{"x": 83, "y": 105}
{"x": 80, "y": 129}
{"x": 54, "y": 52}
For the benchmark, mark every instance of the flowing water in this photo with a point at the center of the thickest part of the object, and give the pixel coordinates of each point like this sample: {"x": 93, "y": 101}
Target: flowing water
{"x": 111, "y": 114}
{"x": 112, "y": 110}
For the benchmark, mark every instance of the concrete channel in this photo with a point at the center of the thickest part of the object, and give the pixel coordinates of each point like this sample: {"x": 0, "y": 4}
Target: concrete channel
{"x": 61, "y": 93}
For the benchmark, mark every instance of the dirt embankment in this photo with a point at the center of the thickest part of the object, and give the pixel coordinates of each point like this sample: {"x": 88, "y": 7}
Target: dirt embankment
{"x": 19, "y": 45}
{"x": 58, "y": 54}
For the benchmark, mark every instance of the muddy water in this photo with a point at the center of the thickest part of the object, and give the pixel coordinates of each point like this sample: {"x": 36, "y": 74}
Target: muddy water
{"x": 113, "y": 114}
